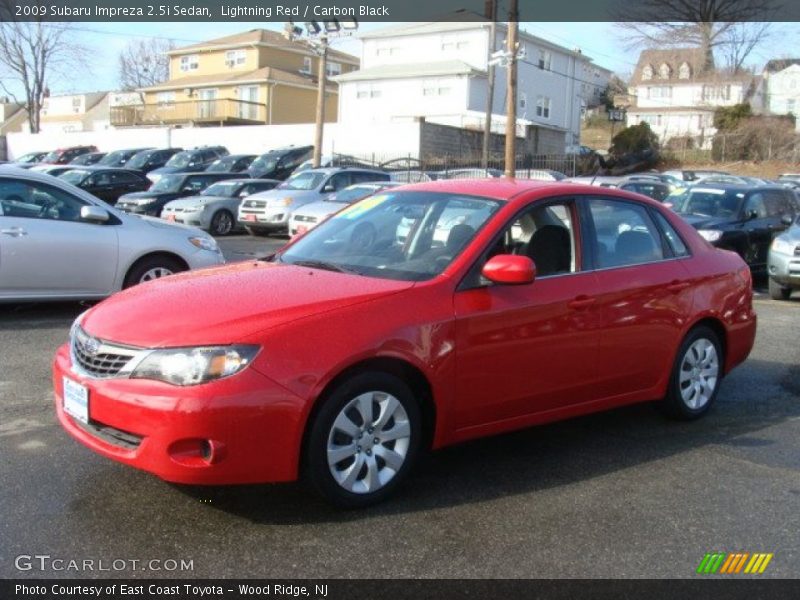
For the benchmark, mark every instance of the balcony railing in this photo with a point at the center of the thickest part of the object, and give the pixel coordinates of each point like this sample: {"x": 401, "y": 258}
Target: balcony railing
{"x": 222, "y": 111}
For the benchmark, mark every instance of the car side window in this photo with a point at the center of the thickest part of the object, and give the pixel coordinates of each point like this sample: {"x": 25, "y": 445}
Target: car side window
{"x": 38, "y": 201}
{"x": 674, "y": 240}
{"x": 339, "y": 181}
{"x": 755, "y": 204}
{"x": 623, "y": 234}
{"x": 101, "y": 179}
{"x": 195, "y": 184}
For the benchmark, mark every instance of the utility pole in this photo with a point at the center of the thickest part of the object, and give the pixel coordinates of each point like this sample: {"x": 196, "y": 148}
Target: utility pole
{"x": 322, "y": 74}
{"x": 491, "y": 13}
{"x": 511, "y": 95}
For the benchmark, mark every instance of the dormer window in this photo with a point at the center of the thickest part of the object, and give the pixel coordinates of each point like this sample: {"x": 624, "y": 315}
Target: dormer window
{"x": 664, "y": 71}
{"x": 647, "y": 72}
{"x": 684, "y": 71}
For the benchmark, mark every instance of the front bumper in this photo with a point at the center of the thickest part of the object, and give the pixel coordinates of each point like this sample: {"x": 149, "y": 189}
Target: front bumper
{"x": 195, "y": 218}
{"x": 784, "y": 268}
{"x": 241, "y": 429}
{"x": 265, "y": 219}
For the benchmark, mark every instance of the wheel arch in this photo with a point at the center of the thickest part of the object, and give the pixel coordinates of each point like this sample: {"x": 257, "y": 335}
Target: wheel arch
{"x": 148, "y": 256}
{"x": 716, "y": 325}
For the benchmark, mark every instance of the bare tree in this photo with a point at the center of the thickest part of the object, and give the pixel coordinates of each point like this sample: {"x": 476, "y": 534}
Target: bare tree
{"x": 739, "y": 41}
{"x": 144, "y": 63}
{"x": 707, "y": 24}
{"x": 33, "y": 54}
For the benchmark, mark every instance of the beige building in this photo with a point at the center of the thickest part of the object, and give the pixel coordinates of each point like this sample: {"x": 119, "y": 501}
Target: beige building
{"x": 12, "y": 116}
{"x": 255, "y": 77}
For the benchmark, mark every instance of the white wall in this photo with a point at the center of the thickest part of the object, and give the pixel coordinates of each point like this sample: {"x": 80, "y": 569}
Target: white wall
{"x": 359, "y": 139}
{"x": 783, "y": 90}
{"x": 467, "y": 46}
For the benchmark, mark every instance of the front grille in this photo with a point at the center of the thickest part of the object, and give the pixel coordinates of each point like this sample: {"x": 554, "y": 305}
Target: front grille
{"x": 175, "y": 210}
{"x": 99, "y": 359}
{"x": 111, "y": 435}
{"x": 305, "y": 219}
{"x": 797, "y": 250}
{"x": 255, "y": 203}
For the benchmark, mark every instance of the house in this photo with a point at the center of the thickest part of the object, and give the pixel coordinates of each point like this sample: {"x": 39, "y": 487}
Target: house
{"x": 781, "y": 86}
{"x": 438, "y": 71}
{"x": 12, "y": 116}
{"x": 255, "y": 77}
{"x": 677, "y": 97}
{"x": 73, "y": 112}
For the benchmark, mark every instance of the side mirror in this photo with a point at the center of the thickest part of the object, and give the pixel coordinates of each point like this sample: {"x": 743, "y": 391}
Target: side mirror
{"x": 94, "y": 214}
{"x": 749, "y": 215}
{"x": 787, "y": 220}
{"x": 328, "y": 188}
{"x": 509, "y": 269}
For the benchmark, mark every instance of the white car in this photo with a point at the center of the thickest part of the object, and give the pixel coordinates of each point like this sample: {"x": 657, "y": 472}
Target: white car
{"x": 58, "y": 242}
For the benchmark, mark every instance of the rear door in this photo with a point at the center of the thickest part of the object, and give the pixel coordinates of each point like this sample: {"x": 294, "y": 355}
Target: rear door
{"x": 101, "y": 185}
{"x": 759, "y": 226}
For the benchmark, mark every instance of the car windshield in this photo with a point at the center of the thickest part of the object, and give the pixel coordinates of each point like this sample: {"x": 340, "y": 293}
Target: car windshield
{"x": 180, "y": 160}
{"x": 711, "y": 203}
{"x": 113, "y": 158}
{"x": 352, "y": 194}
{"x": 408, "y": 236}
{"x": 222, "y": 165}
{"x": 223, "y": 188}
{"x": 52, "y": 156}
{"x": 74, "y": 176}
{"x": 168, "y": 183}
{"x": 30, "y": 157}
{"x": 303, "y": 181}
{"x": 266, "y": 163}
{"x": 139, "y": 159}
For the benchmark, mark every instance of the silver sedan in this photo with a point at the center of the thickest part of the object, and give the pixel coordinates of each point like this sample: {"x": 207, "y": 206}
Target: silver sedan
{"x": 59, "y": 242}
{"x": 783, "y": 263}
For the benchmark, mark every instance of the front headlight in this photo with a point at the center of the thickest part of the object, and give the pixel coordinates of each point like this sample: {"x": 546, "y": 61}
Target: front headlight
{"x": 205, "y": 243}
{"x": 710, "y": 235}
{"x": 783, "y": 246}
{"x": 193, "y": 366}
{"x": 286, "y": 202}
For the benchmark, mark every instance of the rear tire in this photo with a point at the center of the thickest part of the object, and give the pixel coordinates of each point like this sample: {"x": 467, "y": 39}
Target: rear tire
{"x": 777, "y": 291}
{"x": 363, "y": 440}
{"x": 696, "y": 375}
{"x": 152, "y": 267}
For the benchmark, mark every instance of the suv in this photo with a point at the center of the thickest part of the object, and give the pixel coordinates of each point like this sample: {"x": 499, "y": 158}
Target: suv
{"x": 148, "y": 160}
{"x": 740, "y": 218}
{"x": 279, "y": 163}
{"x": 169, "y": 187}
{"x": 64, "y": 156}
{"x": 271, "y": 211}
{"x": 189, "y": 161}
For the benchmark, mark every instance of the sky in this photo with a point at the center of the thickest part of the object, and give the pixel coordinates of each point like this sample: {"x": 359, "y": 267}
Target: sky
{"x": 599, "y": 41}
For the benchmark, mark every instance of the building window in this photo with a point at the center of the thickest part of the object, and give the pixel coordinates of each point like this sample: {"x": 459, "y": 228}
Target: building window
{"x": 545, "y": 59}
{"x": 462, "y": 45}
{"x": 235, "y": 58}
{"x": 790, "y": 105}
{"x": 447, "y": 46}
{"x": 523, "y": 101}
{"x": 684, "y": 71}
{"x": 435, "y": 88}
{"x": 333, "y": 68}
{"x": 716, "y": 92}
{"x": 368, "y": 92}
{"x": 190, "y": 62}
{"x": 664, "y": 71}
{"x": 165, "y": 99}
{"x": 647, "y": 72}
{"x": 659, "y": 91}
{"x": 76, "y": 104}
{"x": 386, "y": 51}
{"x": 543, "y": 107}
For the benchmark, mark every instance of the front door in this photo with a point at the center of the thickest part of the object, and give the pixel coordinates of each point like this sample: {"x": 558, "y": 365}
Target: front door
{"x": 207, "y": 106}
{"x": 248, "y": 102}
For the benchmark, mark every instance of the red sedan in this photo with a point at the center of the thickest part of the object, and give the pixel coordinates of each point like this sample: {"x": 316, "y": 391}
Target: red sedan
{"x": 417, "y": 318}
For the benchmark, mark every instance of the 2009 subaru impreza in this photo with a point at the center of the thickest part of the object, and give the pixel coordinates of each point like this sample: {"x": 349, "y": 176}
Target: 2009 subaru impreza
{"x": 504, "y": 304}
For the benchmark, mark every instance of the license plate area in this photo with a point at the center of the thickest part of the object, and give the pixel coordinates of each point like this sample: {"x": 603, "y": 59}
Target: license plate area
{"x": 76, "y": 400}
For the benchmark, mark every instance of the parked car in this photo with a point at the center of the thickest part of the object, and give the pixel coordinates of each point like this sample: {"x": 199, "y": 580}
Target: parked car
{"x": 789, "y": 177}
{"x": 169, "y": 187}
{"x": 348, "y": 354}
{"x": 189, "y": 161}
{"x": 468, "y": 173}
{"x": 673, "y": 182}
{"x": 64, "y": 156}
{"x": 215, "y": 208}
{"x": 120, "y": 158}
{"x": 308, "y": 216}
{"x": 31, "y": 157}
{"x": 609, "y": 181}
{"x": 106, "y": 183}
{"x": 233, "y": 163}
{"x": 269, "y": 212}
{"x": 48, "y": 169}
{"x": 333, "y": 160}
{"x": 60, "y": 242}
{"x": 647, "y": 187}
{"x": 740, "y": 218}
{"x": 279, "y": 163}
{"x": 84, "y": 160}
{"x": 148, "y": 160}
{"x": 783, "y": 263}
{"x": 692, "y": 175}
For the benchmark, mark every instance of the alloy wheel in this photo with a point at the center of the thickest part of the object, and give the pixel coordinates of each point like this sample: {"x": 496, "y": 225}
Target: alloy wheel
{"x": 699, "y": 374}
{"x": 155, "y": 273}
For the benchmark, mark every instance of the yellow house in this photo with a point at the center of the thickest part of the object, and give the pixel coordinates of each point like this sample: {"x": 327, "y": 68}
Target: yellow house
{"x": 255, "y": 77}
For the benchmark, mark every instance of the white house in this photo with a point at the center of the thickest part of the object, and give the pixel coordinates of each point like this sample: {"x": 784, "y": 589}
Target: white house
{"x": 781, "y": 86}
{"x": 74, "y": 112}
{"x": 677, "y": 98}
{"x": 438, "y": 70}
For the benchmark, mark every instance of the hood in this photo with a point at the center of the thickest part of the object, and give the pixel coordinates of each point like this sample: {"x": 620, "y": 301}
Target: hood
{"x": 195, "y": 201}
{"x": 224, "y": 305}
{"x": 706, "y": 222}
{"x": 145, "y": 195}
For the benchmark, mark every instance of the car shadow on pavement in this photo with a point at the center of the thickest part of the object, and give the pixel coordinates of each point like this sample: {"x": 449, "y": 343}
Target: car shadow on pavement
{"x": 544, "y": 457}
{"x": 40, "y": 315}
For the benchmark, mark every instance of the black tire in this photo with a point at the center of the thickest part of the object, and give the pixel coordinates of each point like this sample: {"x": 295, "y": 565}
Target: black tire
{"x": 256, "y": 232}
{"x": 674, "y": 403}
{"x": 316, "y": 468}
{"x": 149, "y": 263}
{"x": 222, "y": 223}
{"x": 777, "y": 291}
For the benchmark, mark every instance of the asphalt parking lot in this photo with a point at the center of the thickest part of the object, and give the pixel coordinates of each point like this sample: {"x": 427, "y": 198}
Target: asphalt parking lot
{"x": 620, "y": 494}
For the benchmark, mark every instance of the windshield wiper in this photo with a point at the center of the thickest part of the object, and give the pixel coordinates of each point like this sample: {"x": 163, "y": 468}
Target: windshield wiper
{"x": 321, "y": 264}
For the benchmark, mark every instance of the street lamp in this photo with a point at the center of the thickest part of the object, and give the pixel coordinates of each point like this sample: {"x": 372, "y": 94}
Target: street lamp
{"x": 319, "y": 39}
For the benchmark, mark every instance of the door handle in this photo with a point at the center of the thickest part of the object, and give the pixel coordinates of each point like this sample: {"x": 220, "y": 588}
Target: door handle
{"x": 14, "y": 231}
{"x": 581, "y": 302}
{"x": 677, "y": 286}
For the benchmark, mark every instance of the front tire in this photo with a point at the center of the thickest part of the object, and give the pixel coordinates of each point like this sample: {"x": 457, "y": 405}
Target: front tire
{"x": 152, "y": 267}
{"x": 777, "y": 291}
{"x": 696, "y": 375}
{"x": 364, "y": 440}
{"x": 222, "y": 223}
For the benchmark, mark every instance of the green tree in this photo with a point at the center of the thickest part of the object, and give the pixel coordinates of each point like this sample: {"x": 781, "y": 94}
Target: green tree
{"x": 636, "y": 139}
{"x": 728, "y": 118}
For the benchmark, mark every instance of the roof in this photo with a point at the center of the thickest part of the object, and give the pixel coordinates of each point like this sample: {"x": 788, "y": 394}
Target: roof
{"x": 427, "y": 69}
{"x": 779, "y": 64}
{"x": 674, "y": 58}
{"x": 261, "y": 37}
{"x": 257, "y": 76}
